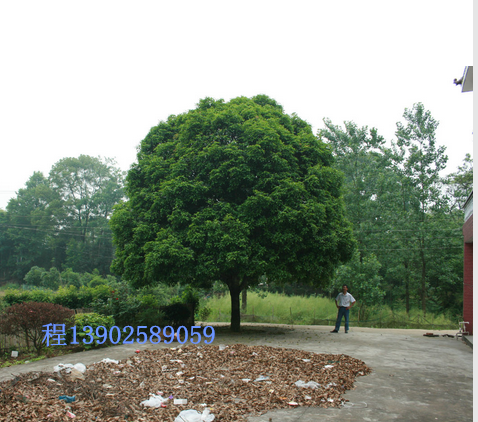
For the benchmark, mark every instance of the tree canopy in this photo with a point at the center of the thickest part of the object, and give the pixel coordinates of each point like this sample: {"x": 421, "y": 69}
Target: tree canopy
{"x": 230, "y": 192}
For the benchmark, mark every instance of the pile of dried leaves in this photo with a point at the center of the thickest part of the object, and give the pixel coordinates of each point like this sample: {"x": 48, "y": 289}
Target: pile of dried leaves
{"x": 232, "y": 381}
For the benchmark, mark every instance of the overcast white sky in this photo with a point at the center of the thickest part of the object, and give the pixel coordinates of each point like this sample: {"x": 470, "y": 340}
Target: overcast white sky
{"x": 93, "y": 77}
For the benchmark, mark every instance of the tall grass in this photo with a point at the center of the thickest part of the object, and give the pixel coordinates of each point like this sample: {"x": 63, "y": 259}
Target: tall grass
{"x": 282, "y": 309}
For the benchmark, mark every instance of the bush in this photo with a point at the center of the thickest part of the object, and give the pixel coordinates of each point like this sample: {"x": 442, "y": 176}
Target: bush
{"x": 70, "y": 278}
{"x": 203, "y": 313}
{"x": 118, "y": 302}
{"x": 93, "y": 320}
{"x": 51, "y": 279}
{"x": 31, "y": 318}
{"x": 34, "y": 276}
{"x": 151, "y": 316}
{"x": 100, "y": 292}
{"x": 68, "y": 296}
{"x": 13, "y": 297}
{"x": 97, "y": 281}
{"x": 176, "y": 314}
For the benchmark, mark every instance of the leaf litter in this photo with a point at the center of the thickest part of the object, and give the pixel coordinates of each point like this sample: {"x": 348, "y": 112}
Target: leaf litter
{"x": 234, "y": 382}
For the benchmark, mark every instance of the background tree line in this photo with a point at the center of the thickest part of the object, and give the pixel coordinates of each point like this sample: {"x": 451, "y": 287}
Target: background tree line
{"x": 406, "y": 217}
{"x": 62, "y": 220}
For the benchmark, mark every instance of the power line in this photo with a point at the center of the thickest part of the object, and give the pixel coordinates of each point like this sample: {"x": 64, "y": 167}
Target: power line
{"x": 409, "y": 249}
{"x": 60, "y": 231}
{"x": 402, "y": 230}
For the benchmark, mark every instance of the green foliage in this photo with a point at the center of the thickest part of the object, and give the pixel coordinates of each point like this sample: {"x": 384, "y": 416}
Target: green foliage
{"x": 228, "y": 192}
{"x": 460, "y": 184}
{"x": 96, "y": 281}
{"x": 176, "y": 314}
{"x": 204, "y": 313}
{"x": 361, "y": 275}
{"x": 93, "y": 320}
{"x": 150, "y": 313}
{"x": 30, "y": 223}
{"x": 120, "y": 303}
{"x": 61, "y": 221}
{"x": 7, "y": 263}
{"x": 51, "y": 279}
{"x": 68, "y": 297}
{"x": 34, "y": 276}
{"x": 12, "y": 297}
{"x": 401, "y": 217}
{"x": 150, "y": 316}
{"x": 71, "y": 278}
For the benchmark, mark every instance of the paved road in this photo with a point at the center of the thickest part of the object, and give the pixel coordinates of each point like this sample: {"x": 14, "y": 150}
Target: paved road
{"x": 414, "y": 378}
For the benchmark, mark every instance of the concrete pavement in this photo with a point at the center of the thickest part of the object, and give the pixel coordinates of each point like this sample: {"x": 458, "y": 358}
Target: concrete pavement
{"x": 414, "y": 378}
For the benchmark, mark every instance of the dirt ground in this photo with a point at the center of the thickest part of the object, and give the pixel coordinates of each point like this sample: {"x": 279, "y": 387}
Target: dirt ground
{"x": 413, "y": 378}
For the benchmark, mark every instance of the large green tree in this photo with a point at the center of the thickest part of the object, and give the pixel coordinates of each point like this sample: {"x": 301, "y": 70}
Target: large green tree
{"x": 31, "y": 225}
{"x": 420, "y": 161}
{"x": 358, "y": 154}
{"x": 230, "y": 192}
{"x": 88, "y": 188}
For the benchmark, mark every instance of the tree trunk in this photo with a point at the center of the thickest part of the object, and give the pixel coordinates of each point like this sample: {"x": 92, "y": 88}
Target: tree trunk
{"x": 424, "y": 285}
{"x": 244, "y": 301}
{"x": 27, "y": 339}
{"x": 235, "y": 291}
{"x": 407, "y": 288}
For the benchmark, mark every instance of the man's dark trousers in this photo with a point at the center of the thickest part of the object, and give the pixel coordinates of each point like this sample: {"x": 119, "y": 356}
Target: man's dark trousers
{"x": 343, "y": 312}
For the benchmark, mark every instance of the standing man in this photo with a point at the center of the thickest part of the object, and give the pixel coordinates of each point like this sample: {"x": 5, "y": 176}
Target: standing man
{"x": 344, "y": 301}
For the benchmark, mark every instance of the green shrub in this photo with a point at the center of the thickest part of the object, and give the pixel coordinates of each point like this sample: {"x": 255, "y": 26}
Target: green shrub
{"x": 150, "y": 316}
{"x": 176, "y": 314}
{"x": 203, "y": 313}
{"x": 51, "y": 279}
{"x": 85, "y": 297}
{"x": 67, "y": 296}
{"x": 70, "y": 278}
{"x": 19, "y": 296}
{"x": 97, "y": 281}
{"x": 93, "y": 320}
{"x": 34, "y": 276}
{"x": 100, "y": 292}
{"x": 118, "y": 302}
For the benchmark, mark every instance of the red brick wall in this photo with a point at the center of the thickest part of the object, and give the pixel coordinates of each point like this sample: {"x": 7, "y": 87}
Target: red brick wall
{"x": 468, "y": 286}
{"x": 468, "y": 230}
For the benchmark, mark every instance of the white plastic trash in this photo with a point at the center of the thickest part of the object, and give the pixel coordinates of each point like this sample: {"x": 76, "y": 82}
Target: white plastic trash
{"x": 108, "y": 360}
{"x": 68, "y": 367}
{"x": 310, "y": 384}
{"x": 154, "y": 401}
{"x": 180, "y": 401}
{"x": 14, "y": 353}
{"x": 192, "y": 415}
{"x": 80, "y": 367}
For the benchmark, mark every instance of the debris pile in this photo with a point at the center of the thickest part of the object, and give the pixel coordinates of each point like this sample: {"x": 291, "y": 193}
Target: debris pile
{"x": 157, "y": 385}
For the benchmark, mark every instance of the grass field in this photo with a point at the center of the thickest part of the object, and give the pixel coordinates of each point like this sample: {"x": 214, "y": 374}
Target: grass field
{"x": 282, "y": 309}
